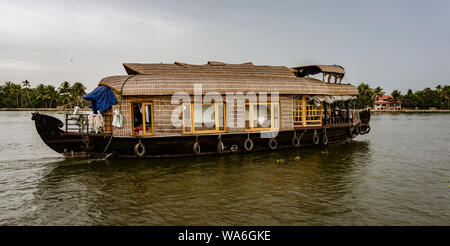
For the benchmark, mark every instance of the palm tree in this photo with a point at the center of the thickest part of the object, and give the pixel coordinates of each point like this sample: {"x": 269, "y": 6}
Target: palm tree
{"x": 51, "y": 94}
{"x": 365, "y": 89}
{"x": 8, "y": 91}
{"x": 365, "y": 97}
{"x": 77, "y": 91}
{"x": 396, "y": 95}
{"x": 15, "y": 90}
{"x": 64, "y": 89}
{"x": 378, "y": 92}
{"x": 446, "y": 95}
{"x": 8, "y": 88}
{"x": 441, "y": 95}
{"x": 41, "y": 95}
{"x": 26, "y": 86}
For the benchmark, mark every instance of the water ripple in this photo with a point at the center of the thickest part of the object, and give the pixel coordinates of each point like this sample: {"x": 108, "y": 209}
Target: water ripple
{"x": 388, "y": 177}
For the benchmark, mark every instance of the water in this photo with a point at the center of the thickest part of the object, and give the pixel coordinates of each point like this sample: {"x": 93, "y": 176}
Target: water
{"x": 396, "y": 175}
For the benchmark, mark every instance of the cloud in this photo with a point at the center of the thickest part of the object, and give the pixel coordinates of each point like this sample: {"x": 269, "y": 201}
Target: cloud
{"x": 395, "y": 45}
{"x": 45, "y": 37}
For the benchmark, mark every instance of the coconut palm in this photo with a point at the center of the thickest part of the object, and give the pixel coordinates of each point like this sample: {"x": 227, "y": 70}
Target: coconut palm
{"x": 26, "y": 85}
{"x": 64, "y": 89}
{"x": 365, "y": 89}
{"x": 8, "y": 91}
{"x": 41, "y": 95}
{"x": 378, "y": 92}
{"x": 396, "y": 95}
{"x": 446, "y": 95}
{"x": 51, "y": 94}
{"x": 77, "y": 91}
{"x": 365, "y": 97}
{"x": 15, "y": 91}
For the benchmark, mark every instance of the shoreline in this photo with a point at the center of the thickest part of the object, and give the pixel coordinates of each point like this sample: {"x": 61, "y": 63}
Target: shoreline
{"x": 407, "y": 111}
{"x": 372, "y": 111}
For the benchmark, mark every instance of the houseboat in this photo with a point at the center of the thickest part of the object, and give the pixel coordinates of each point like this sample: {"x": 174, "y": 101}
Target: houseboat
{"x": 180, "y": 109}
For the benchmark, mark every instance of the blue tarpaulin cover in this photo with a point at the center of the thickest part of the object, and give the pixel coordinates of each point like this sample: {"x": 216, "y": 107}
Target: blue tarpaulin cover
{"x": 102, "y": 98}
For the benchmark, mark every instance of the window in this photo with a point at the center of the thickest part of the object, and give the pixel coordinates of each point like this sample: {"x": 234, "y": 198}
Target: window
{"x": 306, "y": 113}
{"x": 313, "y": 114}
{"x": 262, "y": 116}
{"x": 142, "y": 119}
{"x": 297, "y": 112}
{"x": 203, "y": 118}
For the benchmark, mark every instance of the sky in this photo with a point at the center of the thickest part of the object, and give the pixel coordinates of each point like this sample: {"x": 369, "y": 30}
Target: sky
{"x": 392, "y": 44}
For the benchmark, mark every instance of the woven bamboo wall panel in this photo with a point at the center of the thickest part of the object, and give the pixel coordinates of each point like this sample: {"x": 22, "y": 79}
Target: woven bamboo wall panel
{"x": 163, "y": 109}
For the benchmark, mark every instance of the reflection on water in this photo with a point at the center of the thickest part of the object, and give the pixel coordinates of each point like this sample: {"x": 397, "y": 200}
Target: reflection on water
{"x": 237, "y": 189}
{"x": 380, "y": 179}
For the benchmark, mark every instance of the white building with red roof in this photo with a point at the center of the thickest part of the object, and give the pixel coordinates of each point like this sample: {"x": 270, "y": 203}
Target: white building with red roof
{"x": 387, "y": 103}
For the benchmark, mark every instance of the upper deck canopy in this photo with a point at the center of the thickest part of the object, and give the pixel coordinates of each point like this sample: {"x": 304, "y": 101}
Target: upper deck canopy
{"x": 315, "y": 69}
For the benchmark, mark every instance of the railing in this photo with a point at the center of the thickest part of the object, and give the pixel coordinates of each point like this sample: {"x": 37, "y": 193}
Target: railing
{"x": 337, "y": 117}
{"x": 307, "y": 114}
{"x": 80, "y": 123}
{"x": 313, "y": 115}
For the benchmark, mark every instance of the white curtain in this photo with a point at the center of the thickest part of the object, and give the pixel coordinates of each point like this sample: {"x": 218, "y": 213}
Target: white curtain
{"x": 330, "y": 99}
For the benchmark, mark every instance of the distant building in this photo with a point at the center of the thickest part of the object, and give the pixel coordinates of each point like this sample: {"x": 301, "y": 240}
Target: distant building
{"x": 387, "y": 103}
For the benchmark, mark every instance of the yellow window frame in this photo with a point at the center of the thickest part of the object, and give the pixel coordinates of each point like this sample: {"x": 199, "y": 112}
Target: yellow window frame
{"x": 143, "y": 118}
{"x": 272, "y": 117}
{"x": 216, "y": 115}
{"x": 298, "y": 109}
{"x": 307, "y": 111}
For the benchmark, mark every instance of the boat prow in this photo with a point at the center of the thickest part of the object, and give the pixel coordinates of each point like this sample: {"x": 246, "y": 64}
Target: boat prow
{"x": 50, "y": 130}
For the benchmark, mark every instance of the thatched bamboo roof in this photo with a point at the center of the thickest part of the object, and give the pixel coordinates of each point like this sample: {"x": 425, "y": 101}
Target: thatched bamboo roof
{"x": 168, "y": 84}
{"x": 212, "y": 67}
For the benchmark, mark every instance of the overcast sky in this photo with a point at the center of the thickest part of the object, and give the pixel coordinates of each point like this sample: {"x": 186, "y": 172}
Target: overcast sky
{"x": 392, "y": 44}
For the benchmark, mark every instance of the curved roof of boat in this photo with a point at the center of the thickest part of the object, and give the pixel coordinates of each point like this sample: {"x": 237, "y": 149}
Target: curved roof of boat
{"x": 211, "y": 68}
{"x": 217, "y": 77}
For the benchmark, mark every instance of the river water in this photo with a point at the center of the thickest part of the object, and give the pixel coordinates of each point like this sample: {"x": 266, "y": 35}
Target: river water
{"x": 395, "y": 175}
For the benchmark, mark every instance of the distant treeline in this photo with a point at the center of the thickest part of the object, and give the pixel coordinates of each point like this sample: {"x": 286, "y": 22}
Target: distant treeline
{"x": 47, "y": 96}
{"x": 423, "y": 99}
{"x": 42, "y": 96}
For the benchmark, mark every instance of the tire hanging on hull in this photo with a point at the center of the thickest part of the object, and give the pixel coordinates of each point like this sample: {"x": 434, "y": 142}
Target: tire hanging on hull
{"x": 273, "y": 144}
{"x": 196, "y": 148}
{"x": 315, "y": 138}
{"x": 248, "y": 144}
{"x": 220, "y": 146}
{"x": 325, "y": 138}
{"x": 139, "y": 149}
{"x": 295, "y": 141}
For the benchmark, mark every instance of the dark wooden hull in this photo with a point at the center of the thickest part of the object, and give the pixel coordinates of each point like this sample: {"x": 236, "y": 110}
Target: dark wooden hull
{"x": 98, "y": 145}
